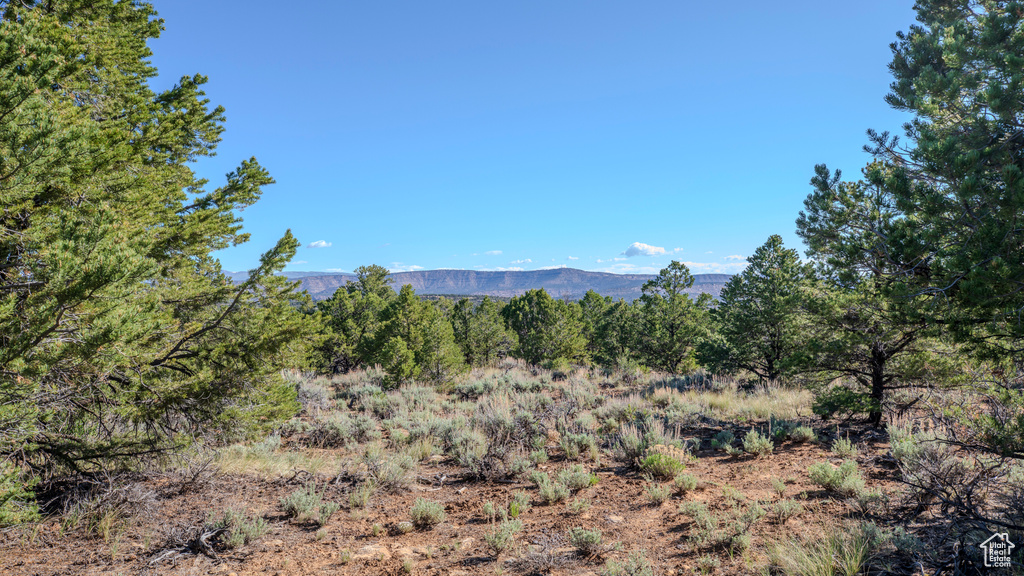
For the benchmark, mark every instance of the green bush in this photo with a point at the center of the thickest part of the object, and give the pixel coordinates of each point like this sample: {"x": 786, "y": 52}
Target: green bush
{"x": 238, "y": 529}
{"x": 757, "y": 444}
{"x": 575, "y": 445}
{"x": 722, "y": 440}
{"x": 844, "y": 480}
{"x": 307, "y": 505}
{"x": 684, "y": 483}
{"x": 803, "y": 434}
{"x": 661, "y": 465}
{"x": 636, "y": 564}
{"x": 426, "y": 514}
{"x": 503, "y": 536}
{"x": 657, "y": 493}
{"x": 783, "y": 510}
{"x": 844, "y": 449}
{"x": 586, "y": 542}
{"x": 576, "y": 478}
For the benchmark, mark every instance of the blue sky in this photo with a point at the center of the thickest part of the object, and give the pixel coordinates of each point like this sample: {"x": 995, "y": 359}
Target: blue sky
{"x": 606, "y": 136}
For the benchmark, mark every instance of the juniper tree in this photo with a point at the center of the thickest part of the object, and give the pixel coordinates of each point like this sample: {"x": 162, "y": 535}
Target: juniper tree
{"x": 119, "y": 336}
{"x": 547, "y": 330}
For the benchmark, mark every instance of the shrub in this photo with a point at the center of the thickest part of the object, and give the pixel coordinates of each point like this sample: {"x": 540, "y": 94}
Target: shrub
{"x": 803, "y": 434}
{"x": 360, "y": 496}
{"x": 783, "y": 510}
{"x": 539, "y": 456}
{"x": 578, "y": 506}
{"x": 390, "y": 472}
{"x": 586, "y": 542}
{"x": 404, "y": 527}
{"x": 576, "y": 478}
{"x": 845, "y": 449}
{"x": 503, "y": 536}
{"x": 636, "y": 564}
{"x": 238, "y": 529}
{"x": 305, "y": 505}
{"x": 490, "y": 511}
{"x": 661, "y": 465}
{"x": 426, "y": 514}
{"x": 844, "y": 480}
{"x": 575, "y": 445}
{"x": 708, "y": 563}
{"x": 757, "y": 444}
{"x": 723, "y": 439}
{"x": 657, "y": 493}
{"x": 552, "y": 492}
{"x": 684, "y": 483}
{"x": 730, "y": 531}
{"x": 520, "y": 504}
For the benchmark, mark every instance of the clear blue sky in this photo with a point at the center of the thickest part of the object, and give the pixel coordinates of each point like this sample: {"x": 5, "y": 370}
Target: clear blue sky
{"x": 487, "y": 135}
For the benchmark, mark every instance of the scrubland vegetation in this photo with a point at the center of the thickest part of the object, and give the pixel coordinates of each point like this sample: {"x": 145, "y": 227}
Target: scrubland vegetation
{"x": 860, "y": 411}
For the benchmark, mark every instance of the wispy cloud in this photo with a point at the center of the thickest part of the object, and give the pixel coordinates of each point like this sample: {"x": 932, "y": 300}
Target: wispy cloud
{"x": 319, "y": 244}
{"x": 399, "y": 267}
{"x": 493, "y": 253}
{"x": 710, "y": 252}
{"x": 573, "y": 258}
{"x": 735, "y": 258}
{"x": 641, "y": 249}
{"x": 559, "y": 267}
{"x": 626, "y": 268}
{"x": 677, "y": 250}
{"x": 295, "y": 262}
{"x": 523, "y": 261}
{"x": 333, "y": 270}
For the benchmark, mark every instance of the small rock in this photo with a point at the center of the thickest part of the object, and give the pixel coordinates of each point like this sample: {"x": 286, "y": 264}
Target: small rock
{"x": 616, "y": 519}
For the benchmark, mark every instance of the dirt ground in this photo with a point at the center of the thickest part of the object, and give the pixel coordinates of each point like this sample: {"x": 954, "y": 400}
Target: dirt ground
{"x": 350, "y": 544}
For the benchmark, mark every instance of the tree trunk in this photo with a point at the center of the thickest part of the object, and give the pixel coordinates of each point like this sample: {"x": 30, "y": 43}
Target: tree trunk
{"x": 878, "y": 360}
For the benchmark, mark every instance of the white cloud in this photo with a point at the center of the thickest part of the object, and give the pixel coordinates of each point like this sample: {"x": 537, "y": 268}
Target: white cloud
{"x": 399, "y": 267}
{"x": 715, "y": 267}
{"x": 641, "y": 249}
{"x": 523, "y": 261}
{"x": 501, "y": 269}
{"x": 710, "y": 252}
{"x": 294, "y": 262}
{"x": 735, "y": 258}
{"x": 559, "y": 267}
{"x": 677, "y": 249}
{"x": 319, "y": 244}
{"x": 573, "y": 258}
{"x": 493, "y": 252}
{"x": 333, "y": 270}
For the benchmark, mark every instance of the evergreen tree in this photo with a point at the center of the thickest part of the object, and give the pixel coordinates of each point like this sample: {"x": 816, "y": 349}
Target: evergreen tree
{"x": 351, "y": 318}
{"x": 481, "y": 332}
{"x": 548, "y": 330}
{"x": 759, "y": 323}
{"x": 673, "y": 323}
{"x": 119, "y": 336}
{"x": 865, "y": 325}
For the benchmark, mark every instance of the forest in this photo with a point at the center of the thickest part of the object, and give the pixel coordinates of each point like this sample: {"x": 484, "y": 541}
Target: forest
{"x": 135, "y": 375}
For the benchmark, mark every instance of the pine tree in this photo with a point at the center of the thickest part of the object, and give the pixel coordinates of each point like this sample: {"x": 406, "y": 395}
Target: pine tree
{"x": 673, "y": 323}
{"x": 759, "y": 318}
{"x": 120, "y": 338}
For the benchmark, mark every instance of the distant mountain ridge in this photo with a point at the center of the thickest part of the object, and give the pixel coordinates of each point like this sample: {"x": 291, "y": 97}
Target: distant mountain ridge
{"x": 559, "y": 282}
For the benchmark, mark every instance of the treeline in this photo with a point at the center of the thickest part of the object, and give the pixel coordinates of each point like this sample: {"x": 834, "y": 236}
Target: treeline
{"x": 779, "y": 319}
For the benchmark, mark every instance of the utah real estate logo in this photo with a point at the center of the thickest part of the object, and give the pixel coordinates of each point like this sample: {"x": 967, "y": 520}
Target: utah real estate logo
{"x": 997, "y": 550}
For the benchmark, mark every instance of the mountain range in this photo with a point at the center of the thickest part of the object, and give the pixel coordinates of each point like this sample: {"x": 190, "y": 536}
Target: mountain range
{"x": 559, "y": 282}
